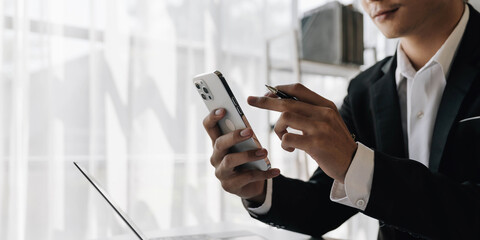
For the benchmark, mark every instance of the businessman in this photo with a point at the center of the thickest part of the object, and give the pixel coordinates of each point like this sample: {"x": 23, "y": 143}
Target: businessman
{"x": 415, "y": 162}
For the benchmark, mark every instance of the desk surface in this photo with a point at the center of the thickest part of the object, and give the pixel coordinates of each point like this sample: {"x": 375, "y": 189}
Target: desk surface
{"x": 265, "y": 232}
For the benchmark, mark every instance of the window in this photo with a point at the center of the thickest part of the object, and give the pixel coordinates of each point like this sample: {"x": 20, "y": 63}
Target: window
{"x": 108, "y": 84}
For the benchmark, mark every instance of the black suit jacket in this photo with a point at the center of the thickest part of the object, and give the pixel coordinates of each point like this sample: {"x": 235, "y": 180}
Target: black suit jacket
{"x": 410, "y": 200}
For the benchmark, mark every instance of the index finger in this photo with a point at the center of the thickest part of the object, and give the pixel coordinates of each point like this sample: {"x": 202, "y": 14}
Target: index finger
{"x": 306, "y": 95}
{"x": 281, "y": 105}
{"x": 210, "y": 123}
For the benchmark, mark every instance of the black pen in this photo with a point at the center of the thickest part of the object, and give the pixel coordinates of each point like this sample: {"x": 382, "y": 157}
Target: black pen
{"x": 280, "y": 94}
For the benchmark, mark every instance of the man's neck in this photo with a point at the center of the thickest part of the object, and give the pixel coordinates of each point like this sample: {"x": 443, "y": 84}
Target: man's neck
{"x": 421, "y": 47}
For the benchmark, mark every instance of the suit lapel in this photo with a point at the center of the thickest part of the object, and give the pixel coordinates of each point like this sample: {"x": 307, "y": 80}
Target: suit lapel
{"x": 386, "y": 111}
{"x": 462, "y": 74}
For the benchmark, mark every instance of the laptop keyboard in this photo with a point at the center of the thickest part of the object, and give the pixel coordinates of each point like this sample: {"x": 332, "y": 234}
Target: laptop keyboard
{"x": 238, "y": 235}
{"x": 207, "y": 237}
{"x": 188, "y": 237}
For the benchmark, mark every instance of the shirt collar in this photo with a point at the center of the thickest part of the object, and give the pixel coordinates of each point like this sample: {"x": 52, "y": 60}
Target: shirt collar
{"x": 443, "y": 56}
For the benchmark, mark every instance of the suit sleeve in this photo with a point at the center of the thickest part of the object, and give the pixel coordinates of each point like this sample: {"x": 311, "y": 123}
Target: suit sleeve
{"x": 407, "y": 196}
{"x": 305, "y": 207}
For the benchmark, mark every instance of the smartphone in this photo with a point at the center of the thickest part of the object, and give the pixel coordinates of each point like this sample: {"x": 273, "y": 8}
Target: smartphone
{"x": 215, "y": 93}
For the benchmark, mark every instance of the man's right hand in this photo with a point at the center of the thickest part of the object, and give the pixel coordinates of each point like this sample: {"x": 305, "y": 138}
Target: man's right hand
{"x": 247, "y": 184}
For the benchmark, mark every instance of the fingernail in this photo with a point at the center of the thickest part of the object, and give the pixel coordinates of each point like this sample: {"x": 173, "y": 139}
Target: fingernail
{"x": 260, "y": 153}
{"x": 246, "y": 132}
{"x": 275, "y": 172}
{"x": 251, "y": 100}
{"x": 218, "y": 112}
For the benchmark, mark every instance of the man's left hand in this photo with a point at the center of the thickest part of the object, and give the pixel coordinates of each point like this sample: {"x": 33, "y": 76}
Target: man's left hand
{"x": 325, "y": 137}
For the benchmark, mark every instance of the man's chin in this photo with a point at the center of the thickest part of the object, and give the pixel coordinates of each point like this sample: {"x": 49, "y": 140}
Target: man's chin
{"x": 392, "y": 36}
{"x": 390, "y": 33}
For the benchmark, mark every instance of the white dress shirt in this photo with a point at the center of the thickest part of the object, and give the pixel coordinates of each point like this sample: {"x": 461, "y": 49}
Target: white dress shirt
{"x": 424, "y": 92}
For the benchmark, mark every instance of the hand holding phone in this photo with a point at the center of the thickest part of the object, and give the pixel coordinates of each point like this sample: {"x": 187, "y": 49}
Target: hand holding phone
{"x": 241, "y": 164}
{"x": 215, "y": 92}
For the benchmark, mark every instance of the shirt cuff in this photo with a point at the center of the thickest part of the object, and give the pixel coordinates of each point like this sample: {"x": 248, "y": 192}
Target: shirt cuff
{"x": 355, "y": 191}
{"x": 267, "y": 204}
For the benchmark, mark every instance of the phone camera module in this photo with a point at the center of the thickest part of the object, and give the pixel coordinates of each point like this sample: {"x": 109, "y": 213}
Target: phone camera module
{"x": 204, "y": 97}
{"x": 197, "y": 85}
{"x": 205, "y": 90}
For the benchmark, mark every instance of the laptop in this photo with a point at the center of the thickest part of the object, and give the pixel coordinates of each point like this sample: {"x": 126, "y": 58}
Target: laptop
{"x": 236, "y": 235}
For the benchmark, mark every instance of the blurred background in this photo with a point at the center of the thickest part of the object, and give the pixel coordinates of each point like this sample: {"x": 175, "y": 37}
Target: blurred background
{"x": 107, "y": 83}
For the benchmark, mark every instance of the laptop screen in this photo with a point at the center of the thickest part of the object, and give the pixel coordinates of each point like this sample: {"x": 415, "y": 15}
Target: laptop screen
{"x": 115, "y": 207}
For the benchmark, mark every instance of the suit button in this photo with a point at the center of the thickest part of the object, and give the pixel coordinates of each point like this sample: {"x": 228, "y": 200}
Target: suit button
{"x": 360, "y": 203}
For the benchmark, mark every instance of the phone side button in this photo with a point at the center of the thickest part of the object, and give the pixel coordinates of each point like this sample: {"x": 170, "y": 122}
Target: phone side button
{"x": 234, "y": 101}
{"x": 239, "y": 110}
